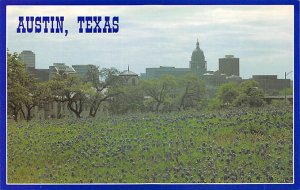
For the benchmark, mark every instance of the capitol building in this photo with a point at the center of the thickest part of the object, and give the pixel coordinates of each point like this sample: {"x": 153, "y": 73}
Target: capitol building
{"x": 228, "y": 69}
{"x": 197, "y": 66}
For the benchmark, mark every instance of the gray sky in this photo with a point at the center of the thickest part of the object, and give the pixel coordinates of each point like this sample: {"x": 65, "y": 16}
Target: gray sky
{"x": 152, "y": 36}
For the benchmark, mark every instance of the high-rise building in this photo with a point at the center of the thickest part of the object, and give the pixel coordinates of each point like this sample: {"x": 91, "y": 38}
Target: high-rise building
{"x": 198, "y": 63}
{"x": 28, "y": 58}
{"x": 83, "y": 71}
{"x": 229, "y": 65}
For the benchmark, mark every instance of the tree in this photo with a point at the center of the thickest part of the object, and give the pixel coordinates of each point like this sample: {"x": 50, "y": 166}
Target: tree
{"x": 250, "y": 94}
{"x": 227, "y": 93}
{"x": 159, "y": 89}
{"x": 17, "y": 92}
{"x": 77, "y": 95}
{"x": 40, "y": 95}
{"x": 192, "y": 90}
{"x": 70, "y": 89}
{"x": 130, "y": 100}
{"x": 214, "y": 103}
{"x": 286, "y": 91}
{"x": 107, "y": 86}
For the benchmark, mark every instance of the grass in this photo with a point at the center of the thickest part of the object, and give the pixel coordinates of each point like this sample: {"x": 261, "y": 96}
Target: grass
{"x": 229, "y": 146}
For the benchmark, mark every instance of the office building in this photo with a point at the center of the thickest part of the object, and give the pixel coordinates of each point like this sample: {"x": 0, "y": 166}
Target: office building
{"x": 229, "y": 65}
{"x": 271, "y": 82}
{"x": 27, "y": 57}
{"x": 60, "y": 69}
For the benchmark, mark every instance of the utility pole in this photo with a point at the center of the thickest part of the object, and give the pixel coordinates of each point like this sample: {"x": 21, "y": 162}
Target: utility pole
{"x": 286, "y": 74}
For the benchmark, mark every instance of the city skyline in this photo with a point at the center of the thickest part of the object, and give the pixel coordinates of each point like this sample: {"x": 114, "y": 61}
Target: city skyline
{"x": 261, "y": 36}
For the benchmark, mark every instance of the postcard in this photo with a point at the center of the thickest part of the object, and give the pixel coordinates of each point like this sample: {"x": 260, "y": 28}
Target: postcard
{"x": 150, "y": 95}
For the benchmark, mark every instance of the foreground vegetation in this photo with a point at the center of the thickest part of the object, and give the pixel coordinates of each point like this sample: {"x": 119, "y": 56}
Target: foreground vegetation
{"x": 231, "y": 146}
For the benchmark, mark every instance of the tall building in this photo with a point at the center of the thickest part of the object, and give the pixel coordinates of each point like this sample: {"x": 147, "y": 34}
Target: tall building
{"x": 60, "y": 69}
{"x": 28, "y": 58}
{"x": 41, "y": 75}
{"x": 83, "y": 70}
{"x": 229, "y": 65}
{"x": 198, "y": 63}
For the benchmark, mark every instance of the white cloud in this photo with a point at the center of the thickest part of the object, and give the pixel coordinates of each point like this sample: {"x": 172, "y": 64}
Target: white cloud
{"x": 151, "y": 36}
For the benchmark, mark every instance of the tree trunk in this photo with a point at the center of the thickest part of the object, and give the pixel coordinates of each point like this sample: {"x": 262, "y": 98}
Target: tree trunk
{"x": 75, "y": 110}
{"x": 28, "y": 116}
{"x": 16, "y": 112}
{"x": 77, "y": 114}
{"x": 93, "y": 114}
{"x": 95, "y": 106}
{"x": 91, "y": 111}
{"x": 23, "y": 113}
{"x": 157, "y": 106}
{"x": 94, "y": 109}
{"x": 182, "y": 104}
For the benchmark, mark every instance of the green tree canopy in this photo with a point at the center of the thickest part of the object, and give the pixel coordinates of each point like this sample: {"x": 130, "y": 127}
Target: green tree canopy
{"x": 107, "y": 83}
{"x": 191, "y": 91}
{"x": 250, "y": 94}
{"x": 130, "y": 100}
{"x": 17, "y": 79}
{"x": 159, "y": 89}
{"x": 227, "y": 93}
{"x": 72, "y": 90}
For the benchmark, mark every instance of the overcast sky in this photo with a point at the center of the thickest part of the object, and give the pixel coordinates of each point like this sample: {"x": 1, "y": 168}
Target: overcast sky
{"x": 152, "y": 36}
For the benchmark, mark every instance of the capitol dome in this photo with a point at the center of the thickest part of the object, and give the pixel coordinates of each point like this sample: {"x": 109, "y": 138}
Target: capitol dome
{"x": 198, "y": 62}
{"x": 198, "y": 53}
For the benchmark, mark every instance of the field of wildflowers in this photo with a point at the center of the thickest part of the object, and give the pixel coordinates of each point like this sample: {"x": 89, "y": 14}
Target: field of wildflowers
{"x": 229, "y": 146}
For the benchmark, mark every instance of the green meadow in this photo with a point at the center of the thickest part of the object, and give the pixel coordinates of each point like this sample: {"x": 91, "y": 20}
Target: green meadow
{"x": 239, "y": 145}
